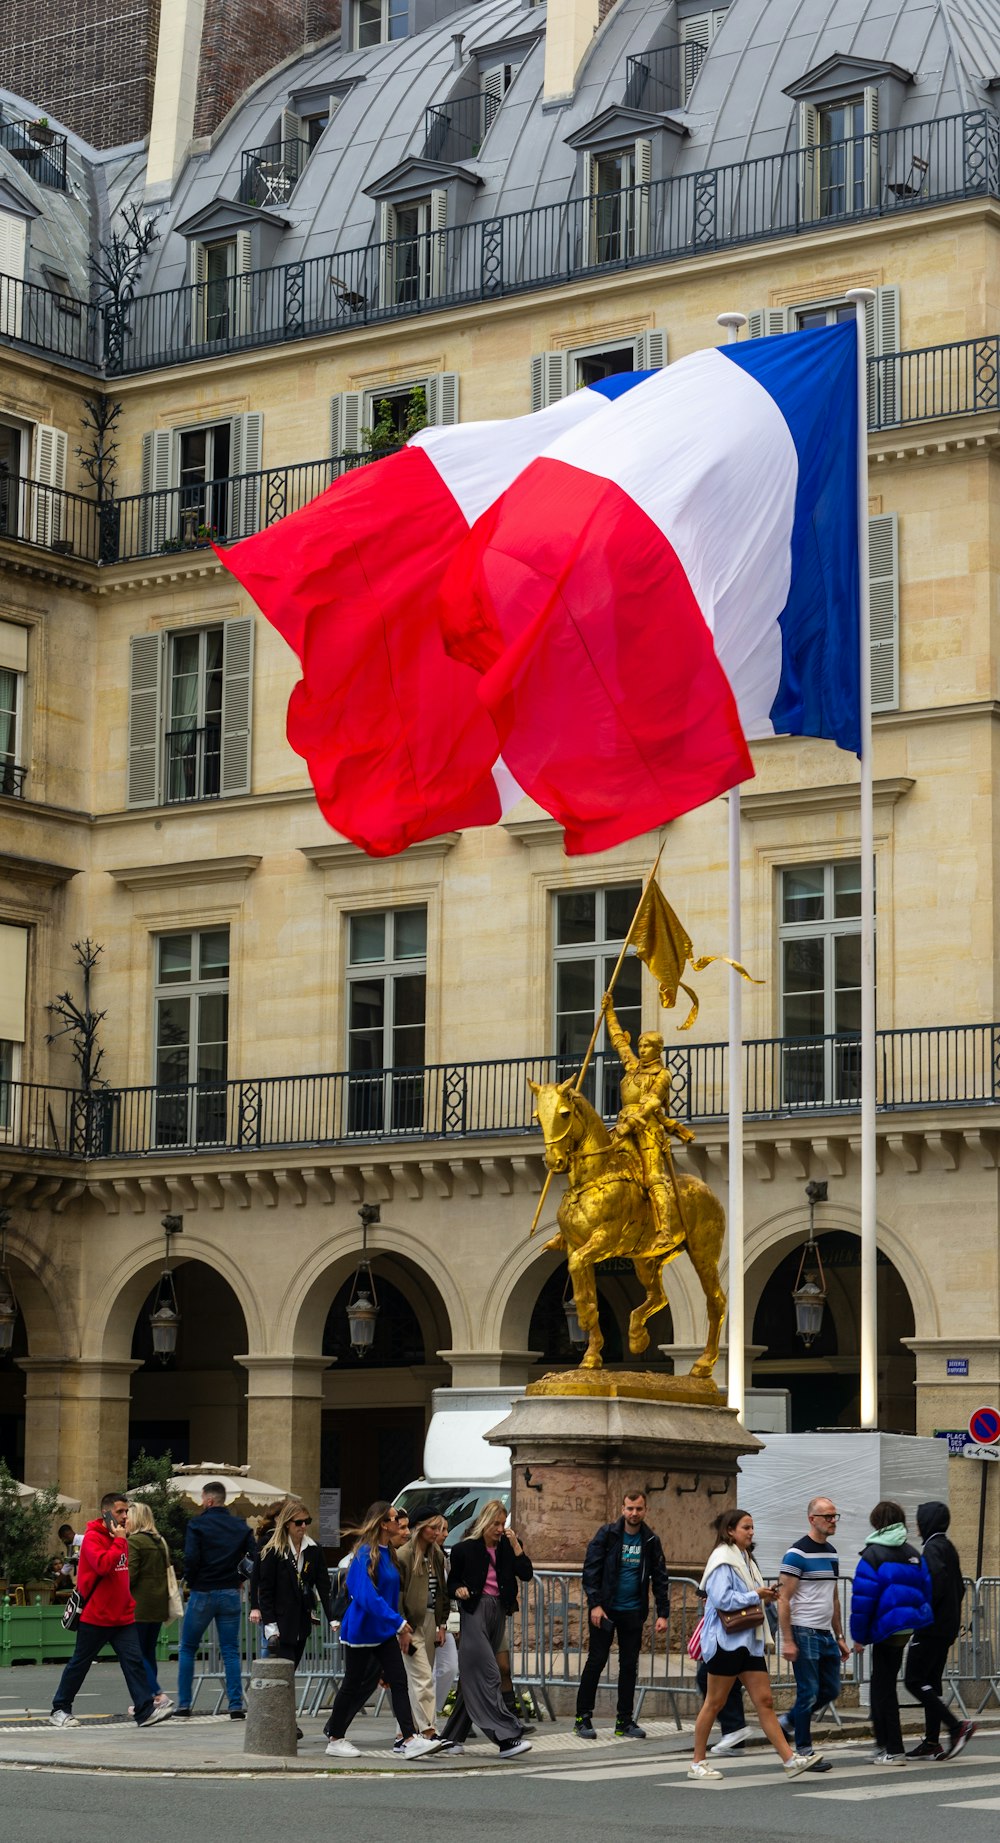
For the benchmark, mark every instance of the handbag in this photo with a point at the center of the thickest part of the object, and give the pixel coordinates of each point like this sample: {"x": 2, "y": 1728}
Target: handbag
{"x": 742, "y": 1619}
{"x": 175, "y": 1598}
{"x": 694, "y": 1642}
{"x": 73, "y": 1608}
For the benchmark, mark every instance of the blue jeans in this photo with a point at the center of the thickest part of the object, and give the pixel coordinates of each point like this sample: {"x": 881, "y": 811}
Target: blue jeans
{"x": 817, "y": 1679}
{"x": 124, "y": 1642}
{"x": 222, "y": 1605}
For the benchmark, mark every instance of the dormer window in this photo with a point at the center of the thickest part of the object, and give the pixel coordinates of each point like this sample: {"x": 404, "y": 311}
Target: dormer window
{"x": 847, "y": 106}
{"x": 412, "y": 236}
{"x": 378, "y": 22}
{"x": 696, "y": 34}
{"x": 617, "y": 221}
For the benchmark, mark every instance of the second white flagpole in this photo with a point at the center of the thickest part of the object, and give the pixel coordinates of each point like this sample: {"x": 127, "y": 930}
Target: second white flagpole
{"x": 869, "y": 1217}
{"x": 736, "y": 1338}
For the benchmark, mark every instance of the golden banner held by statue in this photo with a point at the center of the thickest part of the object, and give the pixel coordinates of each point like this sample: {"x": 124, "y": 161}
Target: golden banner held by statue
{"x": 662, "y": 942}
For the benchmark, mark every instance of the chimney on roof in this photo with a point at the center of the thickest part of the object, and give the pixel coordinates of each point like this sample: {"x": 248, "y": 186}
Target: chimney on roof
{"x": 457, "y": 59}
{"x": 174, "y": 95}
{"x": 570, "y": 25}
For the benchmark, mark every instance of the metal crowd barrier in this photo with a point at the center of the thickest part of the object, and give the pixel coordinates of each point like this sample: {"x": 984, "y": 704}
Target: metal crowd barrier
{"x": 548, "y": 1642}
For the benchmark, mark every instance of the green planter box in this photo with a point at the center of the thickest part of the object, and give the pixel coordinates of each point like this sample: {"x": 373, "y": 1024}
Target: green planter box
{"x": 35, "y": 1635}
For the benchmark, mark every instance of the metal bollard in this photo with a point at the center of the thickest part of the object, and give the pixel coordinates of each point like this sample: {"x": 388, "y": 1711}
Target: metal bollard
{"x": 270, "y": 1723}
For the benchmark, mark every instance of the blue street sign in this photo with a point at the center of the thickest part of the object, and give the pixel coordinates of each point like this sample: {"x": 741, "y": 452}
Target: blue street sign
{"x": 957, "y": 1366}
{"x": 957, "y": 1438}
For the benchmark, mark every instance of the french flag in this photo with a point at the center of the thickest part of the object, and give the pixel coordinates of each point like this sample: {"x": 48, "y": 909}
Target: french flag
{"x": 614, "y": 600}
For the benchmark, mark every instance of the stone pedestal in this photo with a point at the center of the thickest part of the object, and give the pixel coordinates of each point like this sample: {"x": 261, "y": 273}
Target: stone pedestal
{"x": 574, "y": 1457}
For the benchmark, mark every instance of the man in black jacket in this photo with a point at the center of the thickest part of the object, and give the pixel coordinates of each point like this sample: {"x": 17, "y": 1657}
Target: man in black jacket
{"x": 623, "y": 1560}
{"x": 928, "y": 1653}
{"x": 215, "y": 1545}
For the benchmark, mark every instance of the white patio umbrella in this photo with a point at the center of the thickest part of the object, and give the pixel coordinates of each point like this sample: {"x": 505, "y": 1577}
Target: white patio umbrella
{"x": 62, "y": 1503}
{"x": 243, "y": 1493}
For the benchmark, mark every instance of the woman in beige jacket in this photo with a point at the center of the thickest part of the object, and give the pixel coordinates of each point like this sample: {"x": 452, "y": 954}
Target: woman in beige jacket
{"x": 423, "y": 1597}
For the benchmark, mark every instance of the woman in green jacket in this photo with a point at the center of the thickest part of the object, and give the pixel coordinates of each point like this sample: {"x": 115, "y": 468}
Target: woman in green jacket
{"x": 148, "y": 1557}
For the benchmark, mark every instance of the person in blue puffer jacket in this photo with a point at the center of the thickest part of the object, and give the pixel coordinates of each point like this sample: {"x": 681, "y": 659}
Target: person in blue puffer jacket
{"x": 891, "y": 1600}
{"x": 374, "y": 1634}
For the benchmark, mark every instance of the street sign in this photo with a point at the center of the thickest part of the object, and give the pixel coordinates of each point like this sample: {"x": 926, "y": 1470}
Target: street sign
{"x": 956, "y": 1366}
{"x": 957, "y": 1438}
{"x": 981, "y": 1452}
{"x": 984, "y": 1426}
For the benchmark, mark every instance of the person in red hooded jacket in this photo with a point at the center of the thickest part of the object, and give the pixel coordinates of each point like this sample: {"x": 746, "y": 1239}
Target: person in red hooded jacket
{"x": 107, "y": 1617}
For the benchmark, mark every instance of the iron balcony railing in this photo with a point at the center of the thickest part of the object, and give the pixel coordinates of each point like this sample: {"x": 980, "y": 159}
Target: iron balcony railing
{"x": 193, "y": 763}
{"x": 37, "y": 148}
{"x": 869, "y": 176}
{"x": 176, "y": 520}
{"x": 779, "y": 195}
{"x": 662, "y": 79}
{"x": 12, "y": 779}
{"x": 456, "y": 130}
{"x": 947, "y": 1066}
{"x": 58, "y": 325}
{"x": 270, "y": 172}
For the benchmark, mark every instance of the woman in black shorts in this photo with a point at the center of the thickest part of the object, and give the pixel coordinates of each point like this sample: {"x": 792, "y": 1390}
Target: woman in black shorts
{"x": 732, "y": 1585}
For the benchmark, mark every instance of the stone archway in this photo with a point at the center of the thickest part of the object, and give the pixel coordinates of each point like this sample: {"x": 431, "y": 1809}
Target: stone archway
{"x": 193, "y": 1405}
{"x": 44, "y": 1346}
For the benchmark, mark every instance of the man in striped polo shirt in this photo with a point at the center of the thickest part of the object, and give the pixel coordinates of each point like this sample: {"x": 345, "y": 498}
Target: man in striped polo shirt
{"x": 812, "y": 1635}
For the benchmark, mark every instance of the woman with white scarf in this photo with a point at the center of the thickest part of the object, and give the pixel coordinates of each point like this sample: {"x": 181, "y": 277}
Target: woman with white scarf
{"x": 733, "y": 1638}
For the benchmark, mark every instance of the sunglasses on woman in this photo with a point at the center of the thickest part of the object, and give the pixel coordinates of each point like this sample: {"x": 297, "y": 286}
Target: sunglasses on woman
{"x": 301, "y": 1522}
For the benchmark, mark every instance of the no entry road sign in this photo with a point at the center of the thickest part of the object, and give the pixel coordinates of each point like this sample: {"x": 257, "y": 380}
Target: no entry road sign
{"x": 984, "y": 1426}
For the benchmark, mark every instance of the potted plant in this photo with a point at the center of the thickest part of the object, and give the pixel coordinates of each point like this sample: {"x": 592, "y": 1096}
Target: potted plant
{"x": 26, "y": 1536}
{"x": 40, "y": 132}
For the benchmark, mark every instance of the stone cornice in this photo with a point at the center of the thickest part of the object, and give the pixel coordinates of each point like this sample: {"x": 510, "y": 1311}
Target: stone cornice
{"x": 183, "y": 876}
{"x": 36, "y": 870}
{"x": 801, "y": 801}
{"x": 341, "y": 851}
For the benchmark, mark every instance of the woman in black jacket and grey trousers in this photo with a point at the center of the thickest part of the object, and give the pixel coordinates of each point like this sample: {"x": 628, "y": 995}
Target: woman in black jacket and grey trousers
{"x": 485, "y": 1570}
{"x": 293, "y": 1575}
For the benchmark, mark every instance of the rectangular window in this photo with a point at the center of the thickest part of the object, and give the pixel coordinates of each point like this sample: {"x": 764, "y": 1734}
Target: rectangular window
{"x": 220, "y": 268}
{"x": 411, "y": 252}
{"x": 13, "y": 674}
{"x": 613, "y": 206}
{"x": 833, "y": 315}
{"x": 205, "y": 497}
{"x": 843, "y": 158}
{"x": 13, "y": 1014}
{"x": 604, "y": 362}
{"x": 590, "y": 926}
{"x": 386, "y": 1019}
{"x": 377, "y": 22}
{"x": 194, "y": 715}
{"x": 10, "y": 1075}
{"x": 820, "y": 949}
{"x": 191, "y": 1037}
{"x": 12, "y": 471}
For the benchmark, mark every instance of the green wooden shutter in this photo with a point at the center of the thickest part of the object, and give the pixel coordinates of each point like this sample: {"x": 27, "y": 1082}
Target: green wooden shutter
{"x": 442, "y": 397}
{"x": 245, "y": 457}
{"x": 147, "y": 653}
{"x": 159, "y": 511}
{"x": 549, "y": 378}
{"x": 237, "y": 698}
{"x": 883, "y": 585}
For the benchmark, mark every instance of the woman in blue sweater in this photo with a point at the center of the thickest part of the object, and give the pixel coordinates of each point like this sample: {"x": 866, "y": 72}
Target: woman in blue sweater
{"x": 891, "y": 1600}
{"x": 374, "y": 1634}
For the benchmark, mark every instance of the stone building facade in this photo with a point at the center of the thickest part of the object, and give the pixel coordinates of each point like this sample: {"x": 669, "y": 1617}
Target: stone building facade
{"x": 291, "y": 1029}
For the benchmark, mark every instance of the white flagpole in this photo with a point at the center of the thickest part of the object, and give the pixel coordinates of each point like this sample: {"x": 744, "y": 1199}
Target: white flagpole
{"x": 869, "y": 1218}
{"x": 736, "y": 1340}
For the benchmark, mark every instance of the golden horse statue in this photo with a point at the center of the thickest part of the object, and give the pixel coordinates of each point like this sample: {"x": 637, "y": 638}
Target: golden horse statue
{"x": 606, "y": 1212}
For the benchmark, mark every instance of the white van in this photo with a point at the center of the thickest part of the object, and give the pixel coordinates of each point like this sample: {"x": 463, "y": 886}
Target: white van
{"x": 461, "y": 1471}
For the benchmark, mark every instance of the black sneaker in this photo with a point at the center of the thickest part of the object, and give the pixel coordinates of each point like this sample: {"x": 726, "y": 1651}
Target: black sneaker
{"x": 927, "y": 1750}
{"x": 235, "y": 1714}
{"x": 584, "y": 1727}
{"x": 961, "y": 1739}
{"x": 629, "y": 1731}
{"x": 181, "y": 1714}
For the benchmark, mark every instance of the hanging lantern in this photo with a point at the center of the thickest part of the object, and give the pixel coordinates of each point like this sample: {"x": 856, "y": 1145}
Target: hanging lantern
{"x": 577, "y": 1334}
{"x": 809, "y": 1291}
{"x": 165, "y": 1317}
{"x": 8, "y": 1302}
{"x": 363, "y": 1307}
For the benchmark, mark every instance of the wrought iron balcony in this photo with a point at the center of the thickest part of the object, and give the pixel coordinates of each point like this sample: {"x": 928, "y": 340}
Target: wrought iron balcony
{"x": 270, "y": 172}
{"x": 193, "y": 763}
{"x": 456, "y": 130}
{"x": 942, "y": 1067}
{"x": 37, "y": 147}
{"x": 799, "y": 193}
{"x": 12, "y": 779}
{"x": 662, "y": 79}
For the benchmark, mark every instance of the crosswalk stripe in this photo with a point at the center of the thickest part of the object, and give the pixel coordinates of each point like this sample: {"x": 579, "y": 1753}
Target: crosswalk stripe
{"x": 972, "y": 1804}
{"x": 904, "y": 1788}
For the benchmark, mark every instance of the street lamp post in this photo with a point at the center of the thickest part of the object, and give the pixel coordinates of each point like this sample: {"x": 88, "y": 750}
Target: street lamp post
{"x": 809, "y": 1291}
{"x": 363, "y": 1306}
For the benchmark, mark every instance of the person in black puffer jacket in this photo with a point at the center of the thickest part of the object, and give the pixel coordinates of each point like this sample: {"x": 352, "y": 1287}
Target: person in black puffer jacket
{"x": 926, "y": 1658}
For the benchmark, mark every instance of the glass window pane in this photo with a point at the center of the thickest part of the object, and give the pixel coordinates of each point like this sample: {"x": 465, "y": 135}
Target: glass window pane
{"x": 408, "y": 1048}
{"x": 802, "y": 894}
{"x": 174, "y": 958}
{"x": 573, "y": 1034}
{"x": 367, "y": 1005}
{"x": 213, "y": 675}
{"x": 847, "y": 962}
{"x": 847, "y": 1011}
{"x": 410, "y": 930}
{"x": 409, "y": 1001}
{"x": 575, "y": 987}
{"x": 619, "y": 907}
{"x": 364, "y": 1050}
{"x": 847, "y": 888}
{"x": 213, "y": 1019}
{"x": 214, "y": 954}
{"x": 802, "y": 963}
{"x": 576, "y": 913}
{"x": 804, "y": 1014}
{"x": 367, "y": 939}
{"x": 173, "y": 1031}
{"x": 398, "y": 18}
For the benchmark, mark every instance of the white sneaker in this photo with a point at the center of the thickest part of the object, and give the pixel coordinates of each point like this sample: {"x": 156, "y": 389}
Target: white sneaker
{"x": 888, "y": 1759}
{"x": 157, "y": 1714}
{"x": 800, "y": 1763}
{"x": 60, "y": 1719}
{"x": 729, "y": 1741}
{"x": 509, "y": 1750}
{"x": 343, "y": 1750}
{"x": 417, "y": 1747}
{"x": 700, "y": 1769}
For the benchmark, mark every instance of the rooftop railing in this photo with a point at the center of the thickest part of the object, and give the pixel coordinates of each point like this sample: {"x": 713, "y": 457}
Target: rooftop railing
{"x": 456, "y": 130}
{"x": 948, "y": 1066}
{"x": 791, "y": 194}
{"x": 662, "y": 79}
{"x": 37, "y": 148}
{"x": 270, "y": 172}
